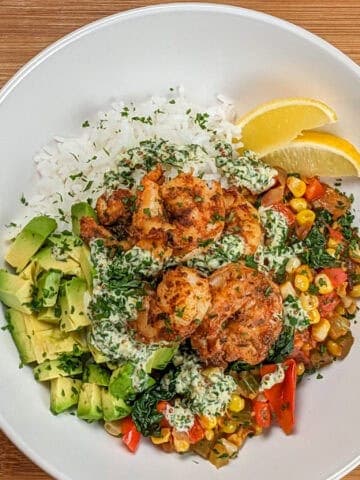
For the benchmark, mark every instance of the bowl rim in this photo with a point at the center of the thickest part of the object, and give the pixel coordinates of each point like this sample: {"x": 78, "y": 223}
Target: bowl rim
{"x": 47, "y": 52}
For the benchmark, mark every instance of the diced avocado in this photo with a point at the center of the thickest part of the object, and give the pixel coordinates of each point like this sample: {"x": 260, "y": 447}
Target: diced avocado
{"x": 48, "y": 288}
{"x": 122, "y": 382}
{"x": 160, "y": 358}
{"x": 79, "y": 210}
{"x": 29, "y": 240}
{"x": 93, "y": 373}
{"x": 64, "y": 394}
{"x": 15, "y": 292}
{"x": 49, "y": 315}
{"x": 73, "y": 308}
{"x": 90, "y": 406}
{"x": 65, "y": 366}
{"x": 98, "y": 356}
{"x": 113, "y": 408}
{"x": 47, "y": 261}
{"x": 86, "y": 266}
{"x": 20, "y": 335}
{"x": 50, "y": 344}
{"x": 31, "y": 272}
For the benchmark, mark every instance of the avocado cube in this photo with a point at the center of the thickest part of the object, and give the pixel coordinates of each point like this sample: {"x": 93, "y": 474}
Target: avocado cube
{"x": 65, "y": 366}
{"x": 93, "y": 373}
{"x": 51, "y": 343}
{"x": 31, "y": 272}
{"x": 29, "y": 240}
{"x": 15, "y": 292}
{"x": 48, "y": 288}
{"x": 49, "y": 315}
{"x": 79, "y": 210}
{"x": 90, "y": 406}
{"x": 86, "y": 266}
{"x": 20, "y": 335}
{"x": 160, "y": 358}
{"x": 48, "y": 261}
{"x": 122, "y": 383}
{"x": 113, "y": 408}
{"x": 98, "y": 356}
{"x": 73, "y": 308}
{"x": 64, "y": 394}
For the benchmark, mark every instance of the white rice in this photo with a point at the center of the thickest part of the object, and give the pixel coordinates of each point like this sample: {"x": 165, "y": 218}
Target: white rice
{"x": 69, "y": 170}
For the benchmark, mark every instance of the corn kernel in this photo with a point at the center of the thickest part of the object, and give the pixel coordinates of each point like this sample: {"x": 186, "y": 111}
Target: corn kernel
{"x": 305, "y": 217}
{"x": 320, "y": 330}
{"x": 181, "y": 446}
{"x": 305, "y": 270}
{"x": 163, "y": 438}
{"x": 352, "y": 308}
{"x": 300, "y": 369}
{"x": 341, "y": 289}
{"x": 340, "y": 310}
{"x": 287, "y": 289}
{"x": 296, "y": 186}
{"x": 209, "y": 435}
{"x": 207, "y": 422}
{"x": 333, "y": 348}
{"x": 292, "y": 264}
{"x": 301, "y": 282}
{"x": 113, "y": 428}
{"x": 228, "y": 426}
{"x": 309, "y": 302}
{"x": 332, "y": 243}
{"x": 347, "y": 301}
{"x": 355, "y": 292}
{"x": 331, "y": 251}
{"x": 298, "y": 204}
{"x": 236, "y": 404}
{"x": 314, "y": 316}
{"x": 323, "y": 282}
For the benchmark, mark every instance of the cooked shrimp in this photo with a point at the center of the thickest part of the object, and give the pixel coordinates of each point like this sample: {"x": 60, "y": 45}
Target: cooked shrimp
{"x": 242, "y": 219}
{"x": 90, "y": 230}
{"x": 114, "y": 208}
{"x": 196, "y": 211}
{"x": 149, "y": 215}
{"x": 244, "y": 320}
{"x": 333, "y": 201}
{"x": 181, "y": 301}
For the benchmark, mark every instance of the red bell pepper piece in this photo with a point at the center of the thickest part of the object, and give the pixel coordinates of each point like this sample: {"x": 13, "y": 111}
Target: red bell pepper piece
{"x": 327, "y": 303}
{"x": 196, "y": 432}
{"x": 286, "y": 415}
{"x": 262, "y": 414}
{"x": 314, "y": 190}
{"x": 130, "y": 435}
{"x": 335, "y": 234}
{"x": 281, "y": 396}
{"x": 337, "y": 276}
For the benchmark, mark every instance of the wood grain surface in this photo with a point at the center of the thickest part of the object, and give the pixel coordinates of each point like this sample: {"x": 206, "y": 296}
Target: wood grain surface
{"x": 27, "y": 26}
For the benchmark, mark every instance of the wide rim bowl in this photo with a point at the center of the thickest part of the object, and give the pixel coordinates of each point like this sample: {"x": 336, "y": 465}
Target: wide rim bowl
{"x": 13, "y": 435}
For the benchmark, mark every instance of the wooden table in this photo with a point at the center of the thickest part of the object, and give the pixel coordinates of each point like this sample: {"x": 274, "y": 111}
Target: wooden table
{"x": 27, "y": 26}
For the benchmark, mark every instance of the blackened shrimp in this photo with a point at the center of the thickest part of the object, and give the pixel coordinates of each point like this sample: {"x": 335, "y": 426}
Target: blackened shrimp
{"x": 244, "y": 320}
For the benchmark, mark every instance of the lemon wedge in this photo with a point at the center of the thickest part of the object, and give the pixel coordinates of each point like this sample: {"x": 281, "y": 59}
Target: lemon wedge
{"x": 317, "y": 153}
{"x": 276, "y": 123}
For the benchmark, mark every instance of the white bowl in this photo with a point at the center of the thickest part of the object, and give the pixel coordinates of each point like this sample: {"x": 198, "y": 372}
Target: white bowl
{"x": 250, "y": 57}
